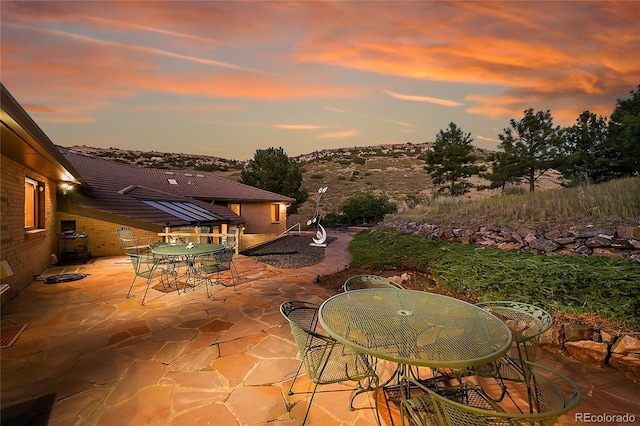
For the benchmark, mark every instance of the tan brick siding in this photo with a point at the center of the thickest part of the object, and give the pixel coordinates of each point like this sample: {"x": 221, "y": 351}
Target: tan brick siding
{"x": 28, "y": 253}
{"x": 258, "y": 217}
{"x": 102, "y": 236}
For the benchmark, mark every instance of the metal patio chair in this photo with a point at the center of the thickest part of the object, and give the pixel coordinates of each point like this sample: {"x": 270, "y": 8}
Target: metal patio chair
{"x": 149, "y": 267}
{"x": 216, "y": 263}
{"x": 132, "y": 244}
{"x": 186, "y": 235}
{"x": 325, "y": 359}
{"x": 358, "y": 282}
{"x": 527, "y": 323}
{"x": 204, "y": 239}
{"x": 468, "y": 404}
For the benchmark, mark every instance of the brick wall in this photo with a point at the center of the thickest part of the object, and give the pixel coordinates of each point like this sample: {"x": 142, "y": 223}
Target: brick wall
{"x": 102, "y": 236}
{"x": 258, "y": 217}
{"x": 28, "y": 252}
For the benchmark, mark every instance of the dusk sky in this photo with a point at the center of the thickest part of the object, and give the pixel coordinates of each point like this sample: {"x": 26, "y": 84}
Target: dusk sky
{"x": 227, "y": 78}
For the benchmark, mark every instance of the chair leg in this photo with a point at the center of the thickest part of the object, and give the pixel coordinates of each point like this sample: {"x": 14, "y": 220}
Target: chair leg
{"x": 146, "y": 290}
{"x": 313, "y": 393}
{"x": 233, "y": 269}
{"x": 206, "y": 283}
{"x": 131, "y": 286}
{"x": 294, "y": 379}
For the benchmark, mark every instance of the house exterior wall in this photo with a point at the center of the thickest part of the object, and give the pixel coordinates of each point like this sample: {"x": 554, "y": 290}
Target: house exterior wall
{"x": 27, "y": 252}
{"x": 102, "y": 236}
{"x": 258, "y": 219}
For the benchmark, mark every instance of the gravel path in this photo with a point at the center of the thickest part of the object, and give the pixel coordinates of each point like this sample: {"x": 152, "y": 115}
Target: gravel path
{"x": 290, "y": 251}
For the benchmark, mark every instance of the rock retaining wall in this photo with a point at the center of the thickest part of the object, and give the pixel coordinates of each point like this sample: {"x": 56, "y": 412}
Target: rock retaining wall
{"x": 596, "y": 347}
{"x": 622, "y": 242}
{"x": 588, "y": 344}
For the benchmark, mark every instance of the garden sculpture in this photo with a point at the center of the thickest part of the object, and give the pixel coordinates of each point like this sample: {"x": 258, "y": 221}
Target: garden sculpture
{"x": 321, "y": 234}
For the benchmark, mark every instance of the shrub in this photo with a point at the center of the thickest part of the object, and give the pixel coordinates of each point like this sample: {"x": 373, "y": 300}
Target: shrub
{"x": 366, "y": 207}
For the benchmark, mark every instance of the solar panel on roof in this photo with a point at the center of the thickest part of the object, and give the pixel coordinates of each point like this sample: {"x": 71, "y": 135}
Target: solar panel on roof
{"x": 181, "y": 210}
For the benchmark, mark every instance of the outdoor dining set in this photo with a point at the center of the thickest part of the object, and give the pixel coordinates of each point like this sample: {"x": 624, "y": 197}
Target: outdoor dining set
{"x": 453, "y": 363}
{"x": 439, "y": 360}
{"x": 188, "y": 257}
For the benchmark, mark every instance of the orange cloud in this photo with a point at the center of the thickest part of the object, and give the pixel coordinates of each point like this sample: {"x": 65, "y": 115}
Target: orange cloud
{"x": 563, "y": 56}
{"x": 298, "y": 126}
{"x": 426, "y": 99}
{"x": 343, "y": 134}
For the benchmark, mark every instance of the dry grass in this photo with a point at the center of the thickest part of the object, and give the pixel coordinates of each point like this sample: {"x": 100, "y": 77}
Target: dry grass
{"x": 607, "y": 205}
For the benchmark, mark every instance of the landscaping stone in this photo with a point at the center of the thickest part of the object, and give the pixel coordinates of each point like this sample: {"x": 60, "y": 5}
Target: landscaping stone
{"x": 544, "y": 245}
{"x": 575, "y": 332}
{"x": 588, "y": 351}
{"x": 608, "y": 337}
{"x": 600, "y": 241}
{"x": 628, "y": 365}
{"x": 553, "y": 338}
{"x": 626, "y": 345}
{"x": 583, "y": 250}
{"x": 628, "y": 232}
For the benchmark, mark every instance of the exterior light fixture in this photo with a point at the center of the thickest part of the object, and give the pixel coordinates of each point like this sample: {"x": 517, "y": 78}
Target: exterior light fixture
{"x": 65, "y": 187}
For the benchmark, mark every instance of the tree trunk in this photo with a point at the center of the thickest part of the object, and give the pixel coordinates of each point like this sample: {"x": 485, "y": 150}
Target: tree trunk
{"x": 532, "y": 180}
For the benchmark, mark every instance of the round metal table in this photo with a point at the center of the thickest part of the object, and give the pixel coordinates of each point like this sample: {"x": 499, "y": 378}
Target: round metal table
{"x": 187, "y": 253}
{"x": 415, "y": 328}
{"x": 182, "y": 250}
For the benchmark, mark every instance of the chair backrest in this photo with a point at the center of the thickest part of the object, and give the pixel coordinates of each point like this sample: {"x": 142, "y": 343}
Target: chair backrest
{"x": 314, "y": 348}
{"x": 358, "y": 282}
{"x": 217, "y": 261}
{"x": 125, "y": 235}
{"x": 143, "y": 266}
{"x": 324, "y": 359}
{"x": 225, "y": 257}
{"x": 204, "y": 239}
{"x": 186, "y": 234}
{"x": 554, "y": 395}
{"x": 303, "y": 315}
{"x": 526, "y": 322}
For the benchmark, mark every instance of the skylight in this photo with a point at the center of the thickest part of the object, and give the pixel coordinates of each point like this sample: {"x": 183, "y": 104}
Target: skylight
{"x": 182, "y": 210}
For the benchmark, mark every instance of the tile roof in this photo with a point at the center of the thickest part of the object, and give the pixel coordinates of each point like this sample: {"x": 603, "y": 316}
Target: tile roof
{"x": 120, "y": 189}
{"x": 204, "y": 185}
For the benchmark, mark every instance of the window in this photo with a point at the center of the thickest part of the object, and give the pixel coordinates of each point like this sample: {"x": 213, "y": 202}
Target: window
{"x": 275, "y": 213}
{"x": 235, "y": 207}
{"x": 31, "y": 203}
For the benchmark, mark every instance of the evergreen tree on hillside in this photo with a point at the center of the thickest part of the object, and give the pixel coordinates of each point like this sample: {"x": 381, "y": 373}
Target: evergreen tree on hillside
{"x": 624, "y": 136}
{"x": 589, "y": 155}
{"x": 452, "y": 161}
{"x": 531, "y": 147}
{"x": 271, "y": 169}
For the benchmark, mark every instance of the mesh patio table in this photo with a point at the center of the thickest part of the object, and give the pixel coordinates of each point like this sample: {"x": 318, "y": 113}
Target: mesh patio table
{"x": 186, "y": 252}
{"x": 415, "y": 328}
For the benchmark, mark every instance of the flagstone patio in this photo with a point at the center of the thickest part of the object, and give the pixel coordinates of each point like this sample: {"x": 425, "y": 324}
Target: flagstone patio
{"x": 91, "y": 357}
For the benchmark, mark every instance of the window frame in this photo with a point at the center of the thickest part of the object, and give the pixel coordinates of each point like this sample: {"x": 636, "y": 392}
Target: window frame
{"x": 275, "y": 213}
{"x": 237, "y": 210}
{"x": 33, "y": 204}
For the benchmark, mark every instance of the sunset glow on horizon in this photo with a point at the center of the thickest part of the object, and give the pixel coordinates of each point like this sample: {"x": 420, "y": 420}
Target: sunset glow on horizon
{"x": 225, "y": 78}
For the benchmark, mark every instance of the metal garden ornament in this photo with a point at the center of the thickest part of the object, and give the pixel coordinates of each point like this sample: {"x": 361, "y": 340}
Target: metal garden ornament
{"x": 321, "y": 234}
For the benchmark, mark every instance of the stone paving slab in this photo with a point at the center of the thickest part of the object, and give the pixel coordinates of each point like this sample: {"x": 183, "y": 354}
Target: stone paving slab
{"x": 92, "y": 357}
